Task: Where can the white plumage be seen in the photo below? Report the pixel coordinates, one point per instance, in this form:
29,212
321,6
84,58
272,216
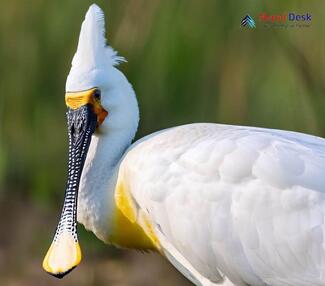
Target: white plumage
229,205
244,202
93,57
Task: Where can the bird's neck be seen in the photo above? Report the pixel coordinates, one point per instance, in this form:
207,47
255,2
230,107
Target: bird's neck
104,202
105,205
96,203
98,182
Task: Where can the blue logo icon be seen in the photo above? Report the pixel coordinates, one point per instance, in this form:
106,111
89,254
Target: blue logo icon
248,21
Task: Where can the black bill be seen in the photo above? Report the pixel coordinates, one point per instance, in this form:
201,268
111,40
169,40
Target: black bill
64,253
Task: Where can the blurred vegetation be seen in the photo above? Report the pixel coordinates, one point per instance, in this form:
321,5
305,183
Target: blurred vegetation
188,60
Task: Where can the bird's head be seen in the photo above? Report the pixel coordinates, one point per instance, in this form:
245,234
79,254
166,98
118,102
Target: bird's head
97,97
93,75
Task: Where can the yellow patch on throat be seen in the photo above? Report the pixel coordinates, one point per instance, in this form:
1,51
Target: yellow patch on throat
133,228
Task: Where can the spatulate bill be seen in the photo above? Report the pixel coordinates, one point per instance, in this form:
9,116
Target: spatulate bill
64,253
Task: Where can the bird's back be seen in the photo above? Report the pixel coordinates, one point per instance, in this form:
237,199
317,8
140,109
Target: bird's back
248,203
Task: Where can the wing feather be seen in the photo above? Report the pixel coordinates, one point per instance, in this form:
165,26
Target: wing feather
248,203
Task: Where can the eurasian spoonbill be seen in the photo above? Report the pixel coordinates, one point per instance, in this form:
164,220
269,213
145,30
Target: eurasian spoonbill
226,205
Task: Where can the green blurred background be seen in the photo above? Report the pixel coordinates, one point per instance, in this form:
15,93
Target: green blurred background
189,61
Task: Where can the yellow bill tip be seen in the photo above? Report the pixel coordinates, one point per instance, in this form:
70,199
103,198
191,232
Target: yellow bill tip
63,255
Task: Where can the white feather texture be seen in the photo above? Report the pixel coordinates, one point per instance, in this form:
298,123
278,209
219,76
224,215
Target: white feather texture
244,202
94,57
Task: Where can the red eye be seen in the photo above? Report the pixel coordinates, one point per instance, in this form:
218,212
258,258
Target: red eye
97,94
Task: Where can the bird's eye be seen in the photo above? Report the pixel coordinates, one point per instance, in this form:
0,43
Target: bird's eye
97,94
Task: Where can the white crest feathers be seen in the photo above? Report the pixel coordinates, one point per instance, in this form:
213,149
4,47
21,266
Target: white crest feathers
93,53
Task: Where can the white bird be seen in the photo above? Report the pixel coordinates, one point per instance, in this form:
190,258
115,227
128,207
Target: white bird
226,205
